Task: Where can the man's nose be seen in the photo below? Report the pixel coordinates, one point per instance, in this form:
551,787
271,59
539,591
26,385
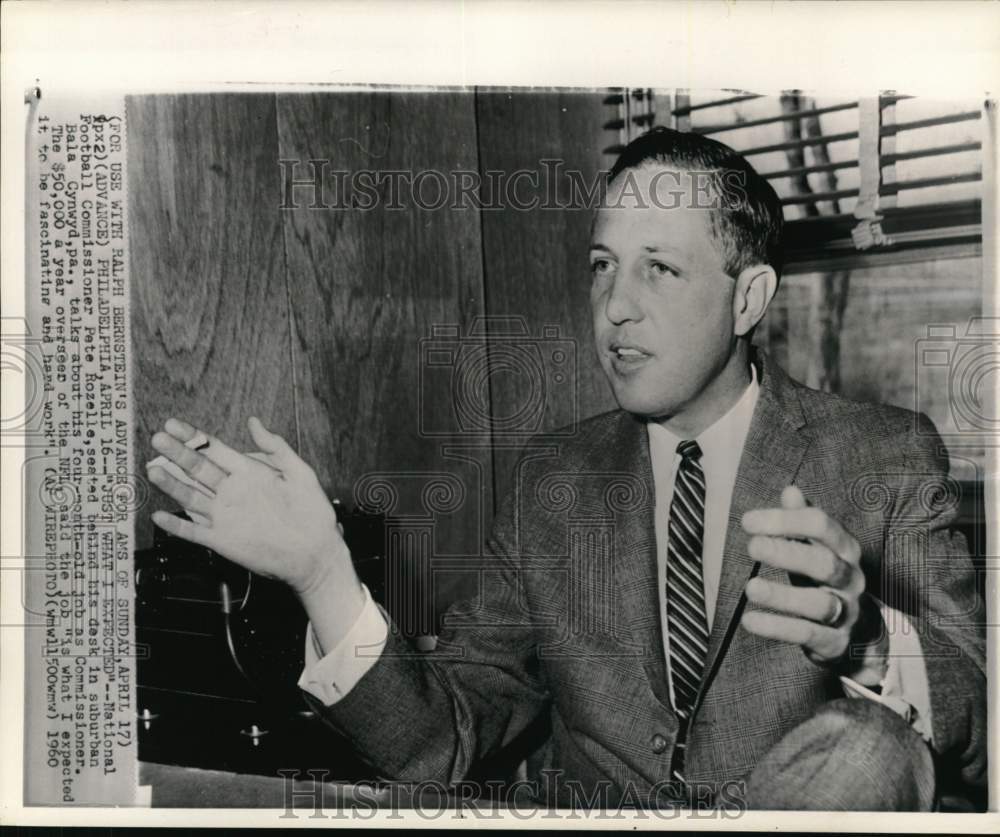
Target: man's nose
621,304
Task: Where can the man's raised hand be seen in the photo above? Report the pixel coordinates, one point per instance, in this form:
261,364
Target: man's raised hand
831,611
266,511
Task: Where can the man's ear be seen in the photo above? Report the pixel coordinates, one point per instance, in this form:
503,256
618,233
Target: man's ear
755,288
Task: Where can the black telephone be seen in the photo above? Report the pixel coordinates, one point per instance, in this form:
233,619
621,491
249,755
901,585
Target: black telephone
220,652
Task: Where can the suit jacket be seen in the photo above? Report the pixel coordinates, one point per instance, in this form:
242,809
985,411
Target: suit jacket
567,619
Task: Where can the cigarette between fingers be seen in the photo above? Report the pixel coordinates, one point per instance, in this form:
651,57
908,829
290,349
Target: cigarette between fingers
197,442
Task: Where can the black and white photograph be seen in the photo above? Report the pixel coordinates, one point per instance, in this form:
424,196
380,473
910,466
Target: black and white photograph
473,452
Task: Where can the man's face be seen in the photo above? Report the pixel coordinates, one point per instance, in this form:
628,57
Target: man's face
660,297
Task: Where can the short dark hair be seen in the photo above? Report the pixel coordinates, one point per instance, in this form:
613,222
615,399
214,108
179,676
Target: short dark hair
749,227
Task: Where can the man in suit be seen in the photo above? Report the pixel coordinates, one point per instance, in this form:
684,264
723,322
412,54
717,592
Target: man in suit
732,588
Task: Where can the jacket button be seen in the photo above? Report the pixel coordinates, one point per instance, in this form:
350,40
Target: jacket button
659,744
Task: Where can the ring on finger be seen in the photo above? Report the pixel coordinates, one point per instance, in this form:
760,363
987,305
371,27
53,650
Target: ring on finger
837,616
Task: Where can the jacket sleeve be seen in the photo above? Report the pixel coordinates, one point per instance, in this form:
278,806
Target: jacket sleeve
432,716
929,576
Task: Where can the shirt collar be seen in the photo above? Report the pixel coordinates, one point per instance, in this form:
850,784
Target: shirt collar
727,434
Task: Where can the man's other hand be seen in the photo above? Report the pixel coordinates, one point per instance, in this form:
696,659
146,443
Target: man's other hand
265,511
829,611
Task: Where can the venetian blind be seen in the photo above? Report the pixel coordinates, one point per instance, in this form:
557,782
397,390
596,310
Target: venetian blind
893,175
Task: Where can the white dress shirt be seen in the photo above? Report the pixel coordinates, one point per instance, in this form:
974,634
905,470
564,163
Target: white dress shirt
904,688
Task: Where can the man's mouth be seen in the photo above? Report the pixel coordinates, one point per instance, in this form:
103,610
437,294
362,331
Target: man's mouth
628,353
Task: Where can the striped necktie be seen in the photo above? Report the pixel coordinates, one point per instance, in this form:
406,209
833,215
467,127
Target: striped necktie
687,626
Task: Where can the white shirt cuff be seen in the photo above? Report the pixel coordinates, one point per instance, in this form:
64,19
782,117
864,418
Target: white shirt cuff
330,678
905,689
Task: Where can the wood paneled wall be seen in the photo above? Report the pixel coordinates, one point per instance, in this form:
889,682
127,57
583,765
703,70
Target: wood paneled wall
536,260
321,321
210,318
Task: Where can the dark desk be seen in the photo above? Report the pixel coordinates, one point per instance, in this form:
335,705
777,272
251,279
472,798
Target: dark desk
191,787
174,786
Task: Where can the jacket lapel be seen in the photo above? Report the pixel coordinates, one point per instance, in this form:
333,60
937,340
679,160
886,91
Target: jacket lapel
771,457
635,556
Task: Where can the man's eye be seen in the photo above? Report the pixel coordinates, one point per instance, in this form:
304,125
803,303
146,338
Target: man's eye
600,266
661,269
